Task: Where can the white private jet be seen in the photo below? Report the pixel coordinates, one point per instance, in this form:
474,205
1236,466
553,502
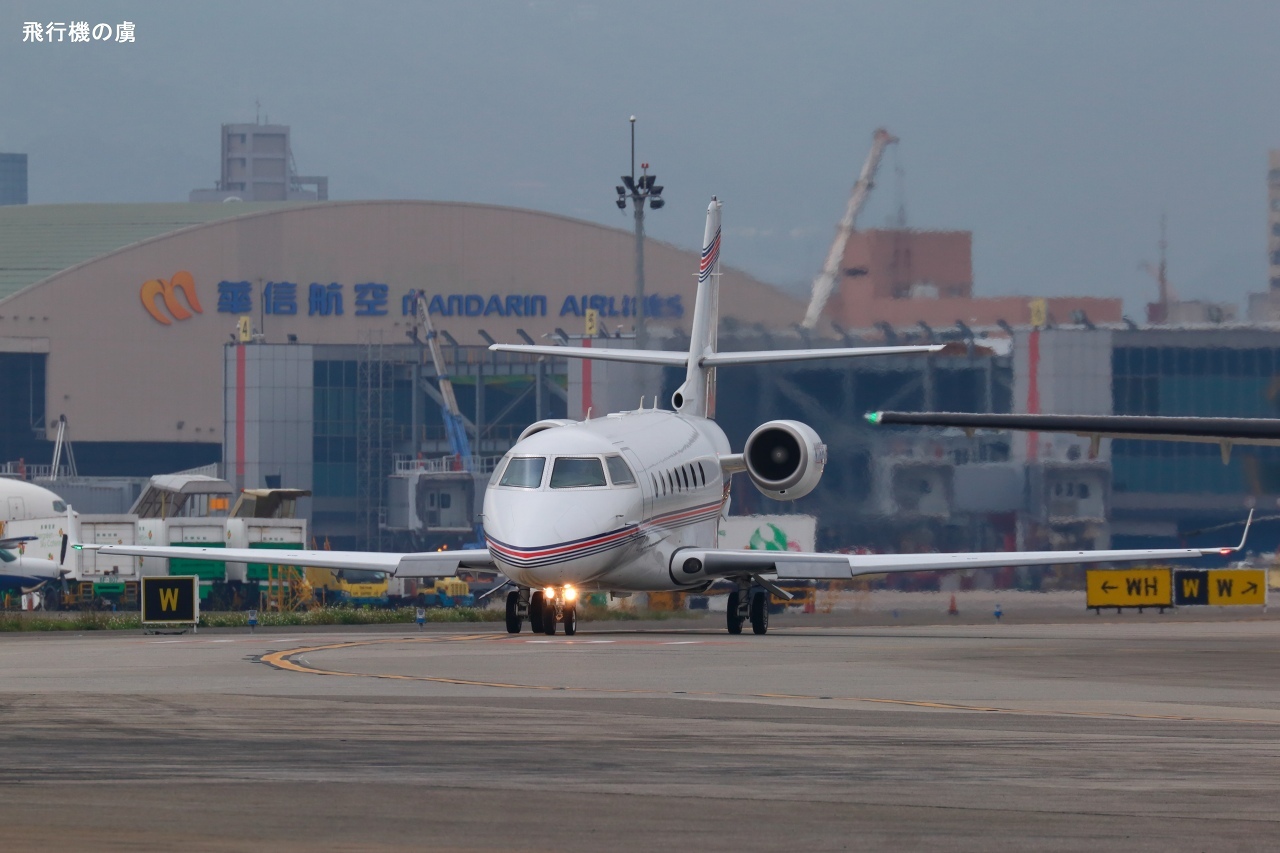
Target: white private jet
632,501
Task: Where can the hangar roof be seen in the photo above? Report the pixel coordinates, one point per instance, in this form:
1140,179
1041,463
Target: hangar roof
38,240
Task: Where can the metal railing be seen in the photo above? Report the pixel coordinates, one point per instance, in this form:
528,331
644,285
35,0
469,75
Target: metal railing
405,464
31,471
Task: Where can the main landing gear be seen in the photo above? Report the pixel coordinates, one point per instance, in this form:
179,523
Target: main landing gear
746,603
543,611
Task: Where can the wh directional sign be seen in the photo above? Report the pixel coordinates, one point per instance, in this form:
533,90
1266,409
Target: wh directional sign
1220,586
1148,587
170,599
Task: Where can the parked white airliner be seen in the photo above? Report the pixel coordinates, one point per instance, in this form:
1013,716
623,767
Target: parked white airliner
32,523
632,501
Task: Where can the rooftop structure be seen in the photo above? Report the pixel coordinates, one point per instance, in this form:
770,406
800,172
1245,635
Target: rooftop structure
257,165
904,277
13,179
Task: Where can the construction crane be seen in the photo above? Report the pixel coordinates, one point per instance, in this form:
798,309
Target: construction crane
826,279
454,426
1158,311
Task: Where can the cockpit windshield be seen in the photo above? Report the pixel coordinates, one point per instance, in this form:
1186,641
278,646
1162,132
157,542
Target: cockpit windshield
524,472
619,473
572,472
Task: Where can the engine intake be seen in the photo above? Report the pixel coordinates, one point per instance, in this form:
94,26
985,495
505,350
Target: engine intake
784,459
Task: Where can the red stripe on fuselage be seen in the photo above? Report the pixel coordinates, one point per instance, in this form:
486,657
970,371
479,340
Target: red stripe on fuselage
596,541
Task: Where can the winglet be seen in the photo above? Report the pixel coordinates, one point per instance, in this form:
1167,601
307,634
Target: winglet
1245,537
1228,551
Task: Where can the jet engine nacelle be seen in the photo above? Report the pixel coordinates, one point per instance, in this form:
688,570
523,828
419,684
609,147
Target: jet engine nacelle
784,459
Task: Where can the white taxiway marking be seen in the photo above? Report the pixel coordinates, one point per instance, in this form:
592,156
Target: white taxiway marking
572,642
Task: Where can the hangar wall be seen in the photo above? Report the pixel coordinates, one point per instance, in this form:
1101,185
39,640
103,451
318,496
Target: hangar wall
135,337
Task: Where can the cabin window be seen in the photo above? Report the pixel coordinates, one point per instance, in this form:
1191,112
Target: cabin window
574,473
523,472
619,473
684,475
702,475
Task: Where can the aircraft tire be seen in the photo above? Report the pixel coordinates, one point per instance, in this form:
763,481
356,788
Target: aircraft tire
570,621
733,620
536,609
549,619
760,612
514,622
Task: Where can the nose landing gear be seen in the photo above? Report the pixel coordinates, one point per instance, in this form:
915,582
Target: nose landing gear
542,611
560,611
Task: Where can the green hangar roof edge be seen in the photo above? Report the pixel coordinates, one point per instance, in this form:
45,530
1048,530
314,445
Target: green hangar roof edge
16,219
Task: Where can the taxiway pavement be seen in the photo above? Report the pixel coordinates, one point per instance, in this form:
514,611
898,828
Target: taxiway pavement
1125,733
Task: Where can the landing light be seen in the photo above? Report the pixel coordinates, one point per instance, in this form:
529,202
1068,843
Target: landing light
550,593
570,594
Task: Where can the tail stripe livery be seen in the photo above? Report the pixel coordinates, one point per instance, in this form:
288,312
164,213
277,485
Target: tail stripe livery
710,255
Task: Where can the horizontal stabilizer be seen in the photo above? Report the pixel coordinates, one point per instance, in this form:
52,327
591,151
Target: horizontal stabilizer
718,359
666,359
779,355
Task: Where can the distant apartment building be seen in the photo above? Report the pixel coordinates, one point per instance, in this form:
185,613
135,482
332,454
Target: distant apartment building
13,178
1265,307
257,165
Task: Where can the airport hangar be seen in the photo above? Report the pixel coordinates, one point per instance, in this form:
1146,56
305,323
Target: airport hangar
124,319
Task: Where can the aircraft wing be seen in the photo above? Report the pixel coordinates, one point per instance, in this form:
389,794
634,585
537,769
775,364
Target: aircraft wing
1265,431
14,541
796,565
425,564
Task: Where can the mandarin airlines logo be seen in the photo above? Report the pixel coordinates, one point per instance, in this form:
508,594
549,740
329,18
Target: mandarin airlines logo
182,282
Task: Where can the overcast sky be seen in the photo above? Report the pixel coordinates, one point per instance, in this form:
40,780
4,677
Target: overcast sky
1057,132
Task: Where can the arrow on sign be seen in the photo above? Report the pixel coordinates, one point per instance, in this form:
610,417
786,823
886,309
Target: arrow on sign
1252,587
1107,586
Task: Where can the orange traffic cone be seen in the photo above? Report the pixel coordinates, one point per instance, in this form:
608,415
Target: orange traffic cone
953,610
